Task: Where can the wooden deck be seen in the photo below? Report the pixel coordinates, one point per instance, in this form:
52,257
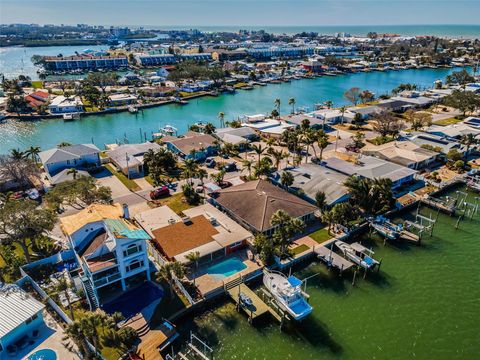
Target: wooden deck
332,259
258,308
149,347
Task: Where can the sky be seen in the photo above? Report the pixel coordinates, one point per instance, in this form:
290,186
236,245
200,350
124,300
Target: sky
241,12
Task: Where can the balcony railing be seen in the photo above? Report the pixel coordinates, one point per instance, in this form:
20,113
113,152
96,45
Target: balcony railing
106,279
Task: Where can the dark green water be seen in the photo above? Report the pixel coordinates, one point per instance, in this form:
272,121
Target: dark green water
110,128
424,304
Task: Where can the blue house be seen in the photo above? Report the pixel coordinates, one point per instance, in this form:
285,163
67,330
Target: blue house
21,317
81,156
193,145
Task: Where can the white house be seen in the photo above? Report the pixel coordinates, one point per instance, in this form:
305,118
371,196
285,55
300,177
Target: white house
81,156
62,105
110,249
20,314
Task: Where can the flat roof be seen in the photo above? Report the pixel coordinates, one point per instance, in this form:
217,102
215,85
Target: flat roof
92,213
157,218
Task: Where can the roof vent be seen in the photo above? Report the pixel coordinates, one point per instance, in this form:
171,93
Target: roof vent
186,220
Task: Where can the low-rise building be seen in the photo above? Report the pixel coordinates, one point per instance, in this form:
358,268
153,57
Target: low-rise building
62,105
371,167
193,145
236,136
204,229
253,203
311,178
122,99
84,62
110,249
21,316
81,156
128,158
405,153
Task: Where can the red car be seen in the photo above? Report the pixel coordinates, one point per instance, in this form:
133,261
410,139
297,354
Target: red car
159,193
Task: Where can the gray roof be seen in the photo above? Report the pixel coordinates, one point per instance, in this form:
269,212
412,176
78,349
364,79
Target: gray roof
243,131
297,119
64,175
67,153
365,110
435,141
312,178
133,151
370,167
16,306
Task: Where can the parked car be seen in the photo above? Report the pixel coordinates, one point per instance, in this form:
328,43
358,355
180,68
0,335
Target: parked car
225,184
230,167
210,162
33,194
159,193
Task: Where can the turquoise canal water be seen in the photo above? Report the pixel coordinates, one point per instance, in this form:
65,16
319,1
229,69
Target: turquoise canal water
107,129
423,304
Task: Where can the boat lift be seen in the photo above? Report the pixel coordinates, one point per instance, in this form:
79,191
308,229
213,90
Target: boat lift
195,348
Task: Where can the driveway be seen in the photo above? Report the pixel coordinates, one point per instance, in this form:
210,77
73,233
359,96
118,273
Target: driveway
105,178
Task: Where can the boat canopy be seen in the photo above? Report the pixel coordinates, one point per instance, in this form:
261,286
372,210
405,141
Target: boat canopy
294,281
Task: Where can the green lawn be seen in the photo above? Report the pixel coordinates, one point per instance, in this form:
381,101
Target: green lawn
449,121
299,249
320,235
130,184
175,202
37,84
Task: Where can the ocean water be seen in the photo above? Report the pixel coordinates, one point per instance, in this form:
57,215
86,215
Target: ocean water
110,128
423,304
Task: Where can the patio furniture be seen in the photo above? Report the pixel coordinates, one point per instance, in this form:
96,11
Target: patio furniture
249,255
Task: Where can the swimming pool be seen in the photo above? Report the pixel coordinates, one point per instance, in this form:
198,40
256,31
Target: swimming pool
227,267
44,354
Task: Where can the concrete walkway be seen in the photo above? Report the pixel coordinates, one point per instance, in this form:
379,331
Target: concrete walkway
144,184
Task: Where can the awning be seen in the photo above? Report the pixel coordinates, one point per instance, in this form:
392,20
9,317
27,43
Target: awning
295,282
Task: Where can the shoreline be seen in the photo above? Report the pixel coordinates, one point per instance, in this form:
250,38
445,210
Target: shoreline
124,108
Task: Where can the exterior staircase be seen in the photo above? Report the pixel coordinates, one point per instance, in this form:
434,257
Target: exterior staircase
87,286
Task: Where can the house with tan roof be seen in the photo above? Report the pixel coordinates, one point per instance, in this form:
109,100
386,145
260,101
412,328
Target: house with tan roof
253,203
192,145
405,153
110,249
203,228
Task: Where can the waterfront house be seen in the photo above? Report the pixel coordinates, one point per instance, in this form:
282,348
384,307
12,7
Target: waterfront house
366,112
62,105
311,178
236,136
203,228
297,120
21,317
193,145
371,167
110,249
405,153
253,203
37,98
328,116
399,106
128,158
122,99
81,156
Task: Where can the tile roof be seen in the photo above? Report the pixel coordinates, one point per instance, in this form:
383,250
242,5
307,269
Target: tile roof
255,202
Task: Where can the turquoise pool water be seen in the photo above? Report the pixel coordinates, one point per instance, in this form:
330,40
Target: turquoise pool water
227,267
44,354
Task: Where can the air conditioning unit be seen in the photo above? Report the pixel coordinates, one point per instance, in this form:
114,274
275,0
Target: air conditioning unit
186,220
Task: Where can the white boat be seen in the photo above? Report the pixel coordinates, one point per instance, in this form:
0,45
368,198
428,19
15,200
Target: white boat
358,254
168,130
287,291
132,109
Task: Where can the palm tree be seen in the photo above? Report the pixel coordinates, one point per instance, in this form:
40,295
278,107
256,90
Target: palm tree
468,140
329,104
74,332
221,117
259,150
286,179
168,271
327,217
247,164
16,154
322,142
278,156
74,172
277,103
63,287
33,152
292,102
320,200
209,128
193,257
189,170
286,228
202,174
343,109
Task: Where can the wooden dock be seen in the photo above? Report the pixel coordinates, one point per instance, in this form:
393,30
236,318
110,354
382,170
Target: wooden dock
258,308
332,259
446,207
409,236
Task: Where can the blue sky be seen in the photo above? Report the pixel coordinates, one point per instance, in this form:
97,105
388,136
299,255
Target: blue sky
241,12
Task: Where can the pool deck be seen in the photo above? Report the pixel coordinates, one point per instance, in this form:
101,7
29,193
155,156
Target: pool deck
51,335
208,284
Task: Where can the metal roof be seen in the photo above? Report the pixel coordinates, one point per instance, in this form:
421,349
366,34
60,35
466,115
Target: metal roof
16,306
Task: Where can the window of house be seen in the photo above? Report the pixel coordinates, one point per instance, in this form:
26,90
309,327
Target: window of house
132,249
135,264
